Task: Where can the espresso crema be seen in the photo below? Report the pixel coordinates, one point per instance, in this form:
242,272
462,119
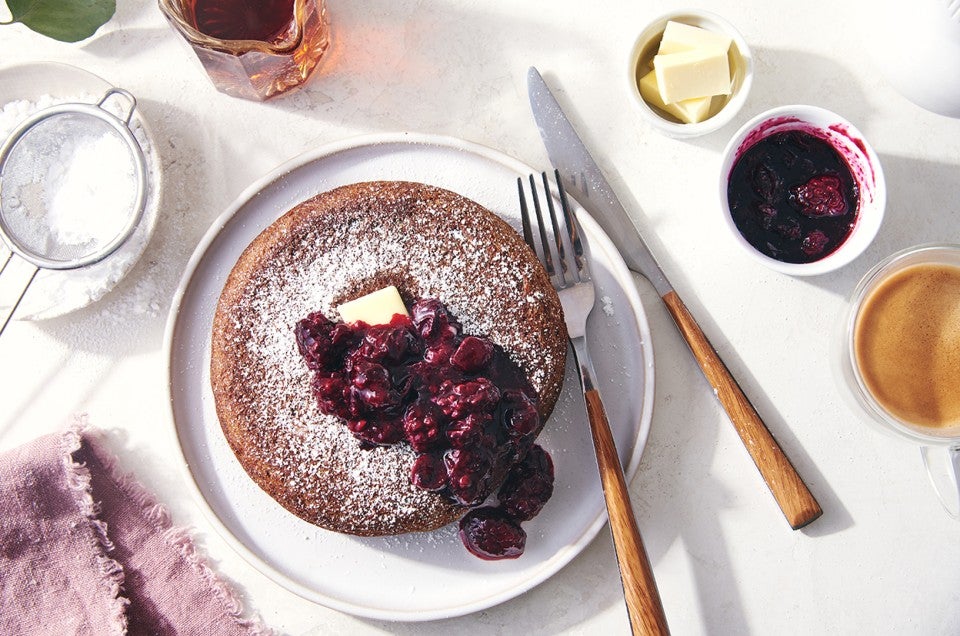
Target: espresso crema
907,346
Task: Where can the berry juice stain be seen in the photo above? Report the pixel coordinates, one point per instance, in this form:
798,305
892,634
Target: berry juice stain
793,197
264,20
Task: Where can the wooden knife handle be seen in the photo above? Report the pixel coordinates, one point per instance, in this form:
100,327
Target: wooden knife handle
639,586
795,499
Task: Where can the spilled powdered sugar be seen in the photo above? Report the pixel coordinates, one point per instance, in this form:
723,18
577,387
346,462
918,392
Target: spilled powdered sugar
438,245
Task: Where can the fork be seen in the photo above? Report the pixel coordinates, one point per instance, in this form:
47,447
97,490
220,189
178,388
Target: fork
577,296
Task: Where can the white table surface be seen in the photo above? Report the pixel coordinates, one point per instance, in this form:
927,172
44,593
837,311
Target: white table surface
883,559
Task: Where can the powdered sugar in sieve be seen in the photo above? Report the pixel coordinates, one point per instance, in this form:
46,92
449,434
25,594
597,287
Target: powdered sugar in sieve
72,186
26,90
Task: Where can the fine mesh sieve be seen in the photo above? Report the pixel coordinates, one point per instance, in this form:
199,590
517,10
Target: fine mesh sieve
72,187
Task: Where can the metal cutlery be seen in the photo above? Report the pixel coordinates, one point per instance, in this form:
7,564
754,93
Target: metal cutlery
568,154
571,278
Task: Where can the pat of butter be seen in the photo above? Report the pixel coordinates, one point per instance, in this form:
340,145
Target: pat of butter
376,308
694,73
678,36
689,111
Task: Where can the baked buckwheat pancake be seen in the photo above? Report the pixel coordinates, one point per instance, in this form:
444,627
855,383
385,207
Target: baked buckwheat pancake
337,246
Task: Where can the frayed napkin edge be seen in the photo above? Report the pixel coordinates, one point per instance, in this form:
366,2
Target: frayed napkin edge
179,538
78,482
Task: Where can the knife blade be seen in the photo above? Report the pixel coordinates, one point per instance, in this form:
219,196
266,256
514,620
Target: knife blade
580,171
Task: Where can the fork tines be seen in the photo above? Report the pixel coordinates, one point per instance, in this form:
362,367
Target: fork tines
566,231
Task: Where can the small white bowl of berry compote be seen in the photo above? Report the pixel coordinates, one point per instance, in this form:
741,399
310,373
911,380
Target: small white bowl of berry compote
801,190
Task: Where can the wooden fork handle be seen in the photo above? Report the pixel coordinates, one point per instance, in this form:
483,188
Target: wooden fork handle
639,587
795,499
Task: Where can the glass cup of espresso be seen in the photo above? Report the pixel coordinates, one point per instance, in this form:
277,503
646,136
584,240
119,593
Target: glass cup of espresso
254,50
901,356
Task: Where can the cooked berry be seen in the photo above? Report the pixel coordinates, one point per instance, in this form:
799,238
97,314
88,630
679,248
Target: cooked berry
528,485
440,352
329,389
458,400
491,534
429,473
372,386
814,242
342,336
427,378
473,354
518,447
471,432
468,472
313,341
423,425
789,228
387,343
767,215
520,415
380,432
765,183
821,196
432,320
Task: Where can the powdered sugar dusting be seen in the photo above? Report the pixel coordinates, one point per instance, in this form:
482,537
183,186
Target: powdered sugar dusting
430,243
607,305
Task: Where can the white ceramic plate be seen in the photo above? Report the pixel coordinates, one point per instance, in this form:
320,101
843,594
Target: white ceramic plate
416,576
55,293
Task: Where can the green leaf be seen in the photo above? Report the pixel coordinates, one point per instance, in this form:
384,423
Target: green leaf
64,20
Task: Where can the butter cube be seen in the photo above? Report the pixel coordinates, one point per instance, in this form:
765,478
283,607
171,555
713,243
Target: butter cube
689,111
694,73
376,308
678,36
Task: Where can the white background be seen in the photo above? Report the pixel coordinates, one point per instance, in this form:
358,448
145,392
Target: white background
884,558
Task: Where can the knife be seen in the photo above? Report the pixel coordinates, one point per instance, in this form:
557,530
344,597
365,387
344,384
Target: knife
568,155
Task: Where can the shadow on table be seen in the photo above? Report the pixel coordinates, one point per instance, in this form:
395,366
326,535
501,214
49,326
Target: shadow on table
116,36
782,77
685,494
381,55
676,488
923,206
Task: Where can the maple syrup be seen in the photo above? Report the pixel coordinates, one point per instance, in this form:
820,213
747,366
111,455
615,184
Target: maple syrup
254,49
264,20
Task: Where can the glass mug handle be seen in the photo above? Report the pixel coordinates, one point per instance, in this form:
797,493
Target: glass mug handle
943,468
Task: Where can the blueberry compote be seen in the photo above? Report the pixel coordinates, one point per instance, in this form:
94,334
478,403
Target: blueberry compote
793,197
466,409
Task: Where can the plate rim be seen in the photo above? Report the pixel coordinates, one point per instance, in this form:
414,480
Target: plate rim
563,556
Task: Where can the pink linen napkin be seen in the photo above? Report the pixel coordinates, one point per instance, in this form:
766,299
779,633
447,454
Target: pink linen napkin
84,550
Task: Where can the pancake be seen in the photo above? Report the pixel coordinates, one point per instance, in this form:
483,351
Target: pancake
337,246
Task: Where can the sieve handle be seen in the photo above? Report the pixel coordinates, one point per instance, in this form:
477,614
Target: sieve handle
9,313
132,106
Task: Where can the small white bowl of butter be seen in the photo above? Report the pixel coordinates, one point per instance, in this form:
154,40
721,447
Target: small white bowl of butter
689,73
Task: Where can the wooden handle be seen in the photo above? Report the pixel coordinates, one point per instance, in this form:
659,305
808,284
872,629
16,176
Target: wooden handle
795,499
639,586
